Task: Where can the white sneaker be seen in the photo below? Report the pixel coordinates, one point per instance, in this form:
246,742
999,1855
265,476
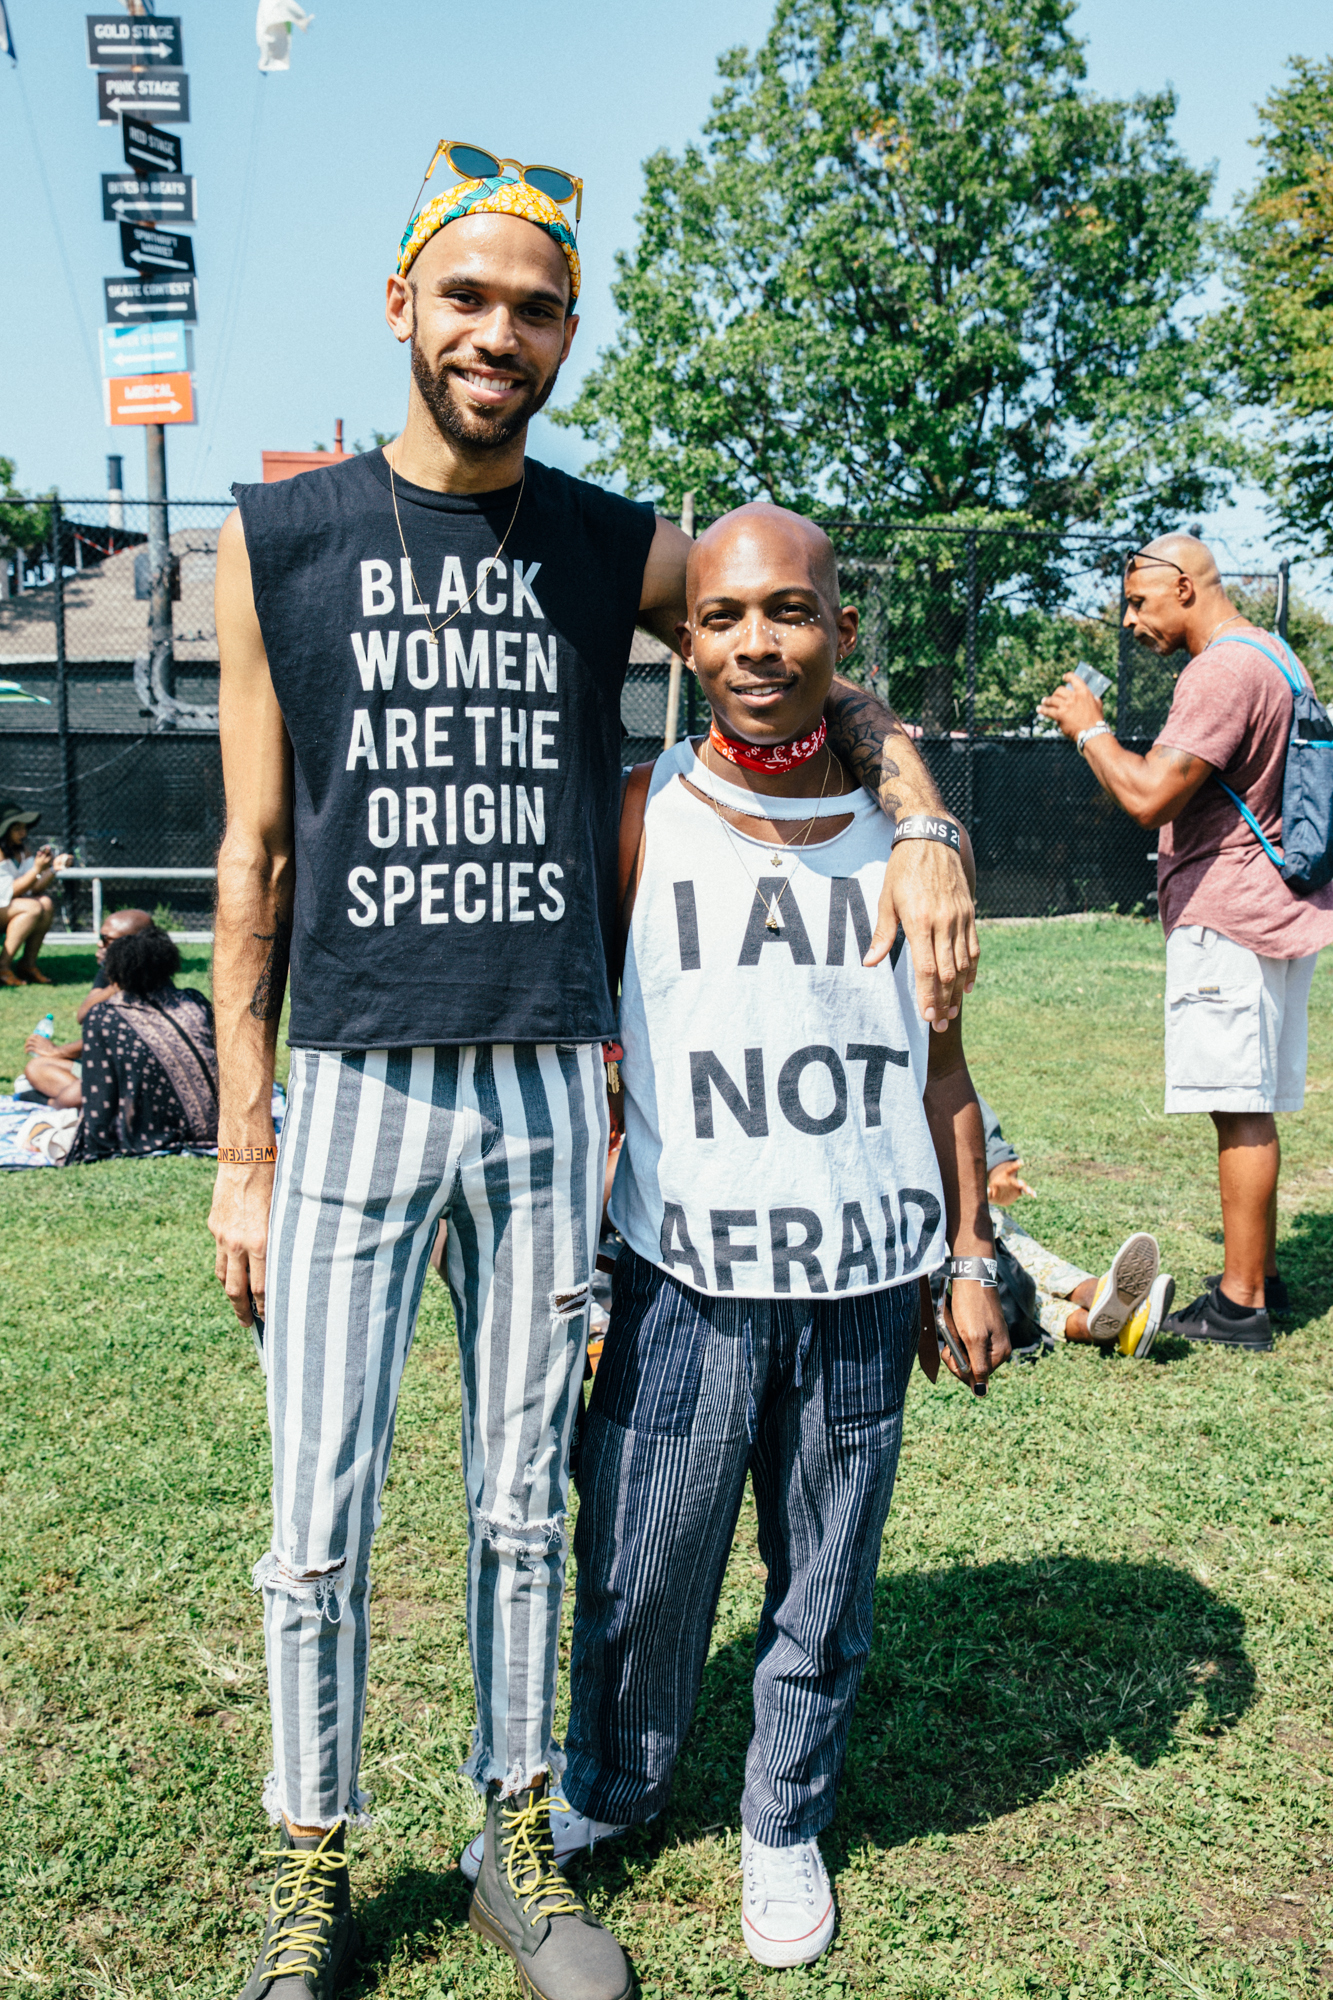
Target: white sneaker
1125,1286
787,1913
571,1834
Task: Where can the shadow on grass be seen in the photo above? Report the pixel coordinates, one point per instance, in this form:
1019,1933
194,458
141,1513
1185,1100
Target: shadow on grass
1306,1259
985,1687
423,1907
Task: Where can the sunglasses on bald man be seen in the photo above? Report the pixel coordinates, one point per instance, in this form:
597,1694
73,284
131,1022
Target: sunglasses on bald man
1142,556
474,163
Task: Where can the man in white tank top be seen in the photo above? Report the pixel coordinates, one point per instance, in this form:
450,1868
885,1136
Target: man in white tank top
781,1191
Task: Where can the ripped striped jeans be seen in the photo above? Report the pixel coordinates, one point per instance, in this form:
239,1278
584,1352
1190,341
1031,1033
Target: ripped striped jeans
508,1144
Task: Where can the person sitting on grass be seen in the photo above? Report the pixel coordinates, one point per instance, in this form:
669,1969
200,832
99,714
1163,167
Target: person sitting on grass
27,911
779,1197
149,1073
120,923
1045,1298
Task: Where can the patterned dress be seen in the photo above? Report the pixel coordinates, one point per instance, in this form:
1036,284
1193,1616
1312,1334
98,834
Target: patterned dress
150,1076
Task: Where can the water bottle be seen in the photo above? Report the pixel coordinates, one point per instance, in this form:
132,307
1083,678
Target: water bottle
46,1026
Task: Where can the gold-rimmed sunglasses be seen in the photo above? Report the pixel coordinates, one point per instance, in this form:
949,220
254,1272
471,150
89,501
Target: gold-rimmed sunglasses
474,163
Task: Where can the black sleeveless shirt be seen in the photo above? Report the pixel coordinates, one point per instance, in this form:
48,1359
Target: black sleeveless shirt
456,801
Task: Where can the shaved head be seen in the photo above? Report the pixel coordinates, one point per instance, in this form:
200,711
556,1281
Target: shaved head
766,626
125,923
1174,597
768,537
1183,552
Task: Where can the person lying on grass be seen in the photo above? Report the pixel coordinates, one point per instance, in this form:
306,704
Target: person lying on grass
1045,1298
779,1198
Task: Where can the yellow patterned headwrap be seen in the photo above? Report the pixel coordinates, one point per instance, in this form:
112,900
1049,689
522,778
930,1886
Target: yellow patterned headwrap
502,196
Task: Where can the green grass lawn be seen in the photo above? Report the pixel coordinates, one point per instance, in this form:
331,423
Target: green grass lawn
1094,1748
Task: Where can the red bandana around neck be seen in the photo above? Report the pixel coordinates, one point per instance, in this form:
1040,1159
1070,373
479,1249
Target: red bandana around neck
770,756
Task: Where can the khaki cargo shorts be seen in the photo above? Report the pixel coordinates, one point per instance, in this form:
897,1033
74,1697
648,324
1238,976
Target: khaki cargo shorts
1236,1027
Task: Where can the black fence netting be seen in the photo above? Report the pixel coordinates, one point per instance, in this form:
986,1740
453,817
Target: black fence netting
109,674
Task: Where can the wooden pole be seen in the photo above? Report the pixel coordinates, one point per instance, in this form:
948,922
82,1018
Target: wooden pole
677,667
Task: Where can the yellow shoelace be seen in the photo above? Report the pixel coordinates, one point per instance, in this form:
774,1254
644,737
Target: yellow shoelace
531,1856
301,1900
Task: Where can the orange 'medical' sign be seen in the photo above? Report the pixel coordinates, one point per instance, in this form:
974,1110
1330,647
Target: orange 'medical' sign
150,399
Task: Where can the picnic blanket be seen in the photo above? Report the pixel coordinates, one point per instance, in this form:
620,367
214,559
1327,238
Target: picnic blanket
13,1111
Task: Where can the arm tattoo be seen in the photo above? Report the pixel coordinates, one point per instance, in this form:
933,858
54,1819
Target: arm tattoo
266,1000
1184,760
860,736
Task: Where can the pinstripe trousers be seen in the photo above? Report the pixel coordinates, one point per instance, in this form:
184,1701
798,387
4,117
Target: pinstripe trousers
507,1143
691,1393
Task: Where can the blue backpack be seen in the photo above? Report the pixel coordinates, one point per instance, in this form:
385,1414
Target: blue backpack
1307,783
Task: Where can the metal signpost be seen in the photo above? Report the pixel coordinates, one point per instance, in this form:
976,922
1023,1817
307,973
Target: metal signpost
150,41
147,355
163,347
165,198
154,249
149,149
132,299
150,399
162,94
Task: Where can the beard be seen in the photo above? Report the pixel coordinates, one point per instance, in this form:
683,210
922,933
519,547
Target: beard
469,427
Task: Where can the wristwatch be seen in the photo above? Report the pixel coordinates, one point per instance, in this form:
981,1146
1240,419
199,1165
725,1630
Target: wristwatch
1086,735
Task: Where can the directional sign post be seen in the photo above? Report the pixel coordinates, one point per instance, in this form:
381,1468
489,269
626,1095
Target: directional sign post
149,149
115,43
150,399
160,94
164,347
165,198
153,250
130,301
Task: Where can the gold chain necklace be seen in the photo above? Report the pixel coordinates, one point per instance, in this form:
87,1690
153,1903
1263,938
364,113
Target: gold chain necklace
775,902
435,630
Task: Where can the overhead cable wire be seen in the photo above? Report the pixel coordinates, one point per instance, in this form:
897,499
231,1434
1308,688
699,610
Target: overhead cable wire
232,298
93,370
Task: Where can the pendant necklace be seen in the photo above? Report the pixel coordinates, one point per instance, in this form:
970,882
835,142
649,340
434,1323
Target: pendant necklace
1218,627
771,922
435,630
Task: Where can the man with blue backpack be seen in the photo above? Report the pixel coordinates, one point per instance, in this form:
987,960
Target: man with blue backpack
1240,782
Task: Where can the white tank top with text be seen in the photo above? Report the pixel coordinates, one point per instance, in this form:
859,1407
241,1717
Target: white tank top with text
775,1138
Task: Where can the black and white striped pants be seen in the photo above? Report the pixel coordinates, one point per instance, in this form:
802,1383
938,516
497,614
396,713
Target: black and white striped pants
508,1143
691,1392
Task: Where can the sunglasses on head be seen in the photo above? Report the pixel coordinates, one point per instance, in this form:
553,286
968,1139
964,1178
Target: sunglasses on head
474,163
1162,562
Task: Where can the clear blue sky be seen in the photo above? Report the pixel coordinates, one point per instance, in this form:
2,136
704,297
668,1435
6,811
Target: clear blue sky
305,181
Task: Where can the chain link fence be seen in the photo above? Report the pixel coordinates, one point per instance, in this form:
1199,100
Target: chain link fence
111,731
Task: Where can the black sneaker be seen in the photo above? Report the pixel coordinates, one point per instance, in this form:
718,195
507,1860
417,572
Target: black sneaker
1204,1320
523,1903
310,1941
1277,1299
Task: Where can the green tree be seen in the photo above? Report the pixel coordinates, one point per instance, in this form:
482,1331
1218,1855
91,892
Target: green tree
916,271
1278,329
23,525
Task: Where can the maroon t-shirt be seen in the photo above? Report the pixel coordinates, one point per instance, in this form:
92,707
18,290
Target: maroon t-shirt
1232,708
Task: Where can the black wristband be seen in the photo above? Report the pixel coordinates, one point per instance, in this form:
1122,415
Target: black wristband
981,1269
926,826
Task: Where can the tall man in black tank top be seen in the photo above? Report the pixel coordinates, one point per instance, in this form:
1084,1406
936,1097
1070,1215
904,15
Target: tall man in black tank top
422,652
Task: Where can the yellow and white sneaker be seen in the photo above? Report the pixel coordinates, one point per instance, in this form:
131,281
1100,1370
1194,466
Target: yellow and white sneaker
1144,1323
1126,1285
